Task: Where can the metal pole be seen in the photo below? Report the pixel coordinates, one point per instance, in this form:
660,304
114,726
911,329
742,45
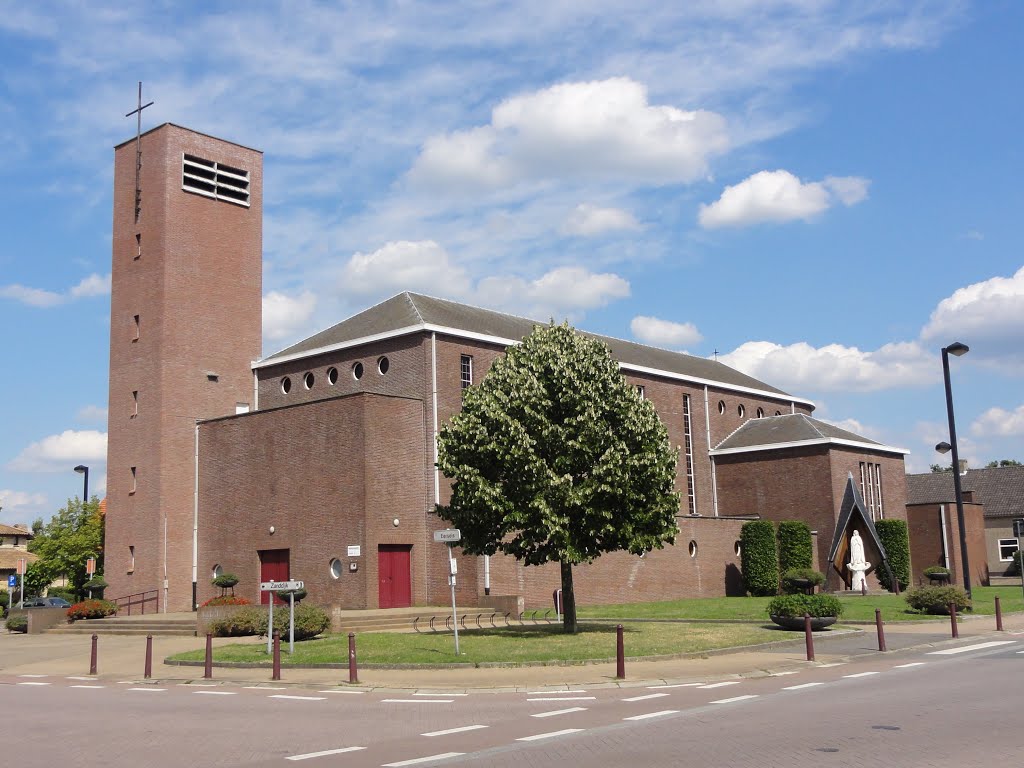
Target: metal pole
277,657
455,616
92,656
353,676
148,673
620,654
952,619
999,616
881,632
208,667
957,490
808,637
270,623
291,622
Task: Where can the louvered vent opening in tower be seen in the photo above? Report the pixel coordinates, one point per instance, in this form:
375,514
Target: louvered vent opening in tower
216,180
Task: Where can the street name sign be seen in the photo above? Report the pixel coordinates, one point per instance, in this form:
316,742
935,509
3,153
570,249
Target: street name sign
281,586
448,535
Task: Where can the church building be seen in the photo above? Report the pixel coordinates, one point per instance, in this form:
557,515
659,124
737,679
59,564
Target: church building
318,462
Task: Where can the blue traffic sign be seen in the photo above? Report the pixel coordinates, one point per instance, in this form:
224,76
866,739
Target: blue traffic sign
12,580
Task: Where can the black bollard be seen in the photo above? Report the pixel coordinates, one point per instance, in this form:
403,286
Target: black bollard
881,632
353,676
809,636
620,654
208,669
148,672
92,656
277,657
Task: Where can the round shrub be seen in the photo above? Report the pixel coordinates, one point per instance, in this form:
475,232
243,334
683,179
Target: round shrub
798,605
935,570
226,600
17,623
300,594
758,558
796,549
247,620
896,540
807,577
310,621
936,600
91,609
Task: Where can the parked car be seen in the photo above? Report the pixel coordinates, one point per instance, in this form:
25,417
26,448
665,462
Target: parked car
47,602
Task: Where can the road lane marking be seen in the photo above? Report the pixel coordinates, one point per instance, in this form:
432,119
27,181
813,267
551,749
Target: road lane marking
215,693
324,753
91,687
197,685
648,696
783,674
674,685
833,664
735,698
553,691
966,648
662,713
719,685
266,687
911,664
414,761
34,682
417,701
79,678
297,698
565,698
862,674
148,690
555,712
455,730
338,690
440,693
798,687
33,675
549,735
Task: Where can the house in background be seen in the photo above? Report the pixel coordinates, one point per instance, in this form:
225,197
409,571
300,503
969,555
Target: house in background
14,541
994,510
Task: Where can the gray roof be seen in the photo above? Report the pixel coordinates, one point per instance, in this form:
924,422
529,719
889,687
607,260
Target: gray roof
413,312
773,432
1000,489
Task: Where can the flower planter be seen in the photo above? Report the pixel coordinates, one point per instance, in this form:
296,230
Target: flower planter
797,622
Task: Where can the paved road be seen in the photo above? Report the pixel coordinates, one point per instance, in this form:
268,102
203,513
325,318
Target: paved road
954,705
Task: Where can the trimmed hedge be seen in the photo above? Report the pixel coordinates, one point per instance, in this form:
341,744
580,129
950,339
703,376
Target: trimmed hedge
310,621
758,558
247,620
798,605
936,600
91,609
895,538
796,549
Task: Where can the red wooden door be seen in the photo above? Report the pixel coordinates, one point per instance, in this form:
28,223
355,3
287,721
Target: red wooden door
393,571
273,567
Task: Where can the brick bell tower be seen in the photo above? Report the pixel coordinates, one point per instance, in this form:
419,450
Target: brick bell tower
185,326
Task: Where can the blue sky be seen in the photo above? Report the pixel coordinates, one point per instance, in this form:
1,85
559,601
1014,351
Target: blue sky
822,193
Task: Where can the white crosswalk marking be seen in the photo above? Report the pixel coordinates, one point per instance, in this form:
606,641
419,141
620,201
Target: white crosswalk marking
324,753
550,735
429,758
735,698
967,648
648,696
555,712
461,729
719,685
649,715
799,687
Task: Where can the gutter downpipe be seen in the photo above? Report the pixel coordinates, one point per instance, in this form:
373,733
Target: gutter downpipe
195,526
437,472
945,541
707,432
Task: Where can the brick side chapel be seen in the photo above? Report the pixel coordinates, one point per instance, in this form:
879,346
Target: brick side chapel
317,462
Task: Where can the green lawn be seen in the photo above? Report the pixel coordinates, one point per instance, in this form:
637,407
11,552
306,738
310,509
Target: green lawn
509,644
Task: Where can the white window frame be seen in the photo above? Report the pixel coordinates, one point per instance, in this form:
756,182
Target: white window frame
1015,543
229,184
466,371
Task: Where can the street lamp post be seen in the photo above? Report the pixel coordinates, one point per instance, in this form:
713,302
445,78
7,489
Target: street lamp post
84,470
957,349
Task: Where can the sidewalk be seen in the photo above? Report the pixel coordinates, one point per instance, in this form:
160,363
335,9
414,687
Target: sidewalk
123,658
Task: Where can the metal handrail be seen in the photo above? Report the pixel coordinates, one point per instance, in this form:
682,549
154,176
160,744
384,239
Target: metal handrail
139,598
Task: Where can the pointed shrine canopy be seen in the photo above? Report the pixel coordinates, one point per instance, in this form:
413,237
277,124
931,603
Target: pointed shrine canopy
853,517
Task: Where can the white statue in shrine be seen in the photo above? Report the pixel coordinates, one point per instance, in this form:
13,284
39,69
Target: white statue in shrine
858,565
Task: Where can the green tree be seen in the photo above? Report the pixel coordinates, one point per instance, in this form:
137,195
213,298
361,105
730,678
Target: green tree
1003,463
71,537
936,468
556,458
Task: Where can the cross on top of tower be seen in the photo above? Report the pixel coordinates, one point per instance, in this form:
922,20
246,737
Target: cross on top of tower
138,150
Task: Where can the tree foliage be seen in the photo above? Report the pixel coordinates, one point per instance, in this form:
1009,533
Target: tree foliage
1003,463
64,544
555,457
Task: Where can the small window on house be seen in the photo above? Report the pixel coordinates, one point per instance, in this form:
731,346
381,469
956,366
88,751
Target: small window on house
641,391
741,410
135,403
308,380
336,568
760,413
286,385
131,558
135,321
332,376
721,406
134,478
138,246
466,370
241,408
1006,549
383,364
357,371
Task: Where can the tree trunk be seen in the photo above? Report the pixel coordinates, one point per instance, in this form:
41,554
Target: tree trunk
568,600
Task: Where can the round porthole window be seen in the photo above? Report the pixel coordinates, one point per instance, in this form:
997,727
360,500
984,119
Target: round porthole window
741,410
693,547
382,365
336,568
217,571
721,406
308,380
286,385
332,376
760,413
357,371
737,548
778,413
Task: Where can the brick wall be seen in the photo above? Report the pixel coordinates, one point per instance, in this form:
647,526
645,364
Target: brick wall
925,524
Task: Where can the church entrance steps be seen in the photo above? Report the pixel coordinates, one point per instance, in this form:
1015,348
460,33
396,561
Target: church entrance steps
157,624
402,619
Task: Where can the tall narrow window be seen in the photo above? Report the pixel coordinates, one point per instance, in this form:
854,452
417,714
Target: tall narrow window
641,391
138,246
134,478
878,491
864,482
131,558
691,497
135,403
135,321
466,364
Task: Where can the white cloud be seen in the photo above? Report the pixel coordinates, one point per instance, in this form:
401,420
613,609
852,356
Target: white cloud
588,220
562,290
987,316
801,367
92,413
283,315
777,196
602,130
998,422
405,265
93,285
59,453
18,506
664,333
